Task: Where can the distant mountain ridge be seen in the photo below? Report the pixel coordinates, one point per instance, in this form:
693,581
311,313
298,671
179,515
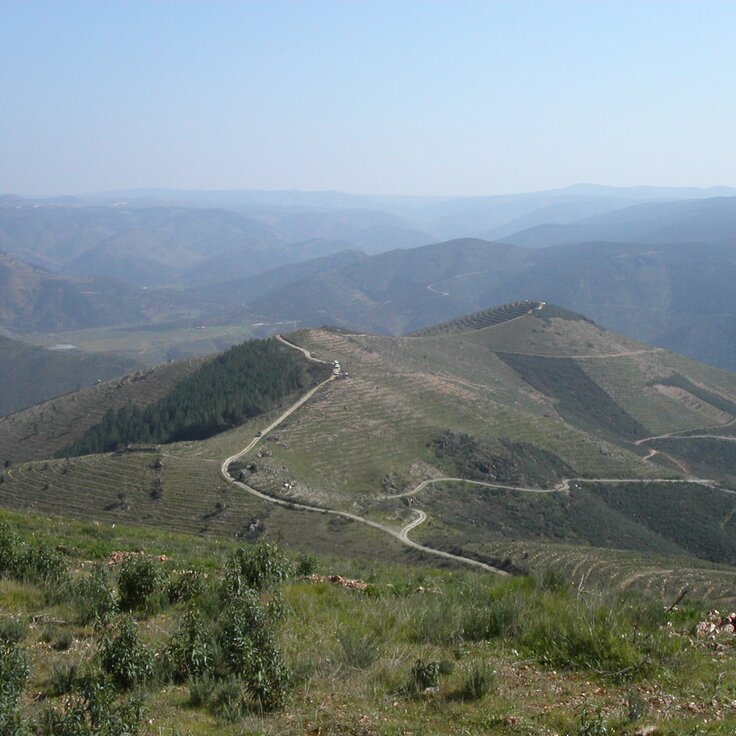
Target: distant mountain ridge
160,245
34,299
676,296
710,220
655,263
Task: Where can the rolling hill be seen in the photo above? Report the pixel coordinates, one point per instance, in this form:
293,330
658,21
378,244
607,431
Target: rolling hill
519,426
145,245
42,430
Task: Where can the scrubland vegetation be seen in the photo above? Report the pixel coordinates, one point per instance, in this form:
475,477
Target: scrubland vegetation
193,636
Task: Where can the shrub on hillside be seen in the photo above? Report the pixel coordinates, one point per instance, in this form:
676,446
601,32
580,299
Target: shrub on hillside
306,564
38,563
124,657
258,568
247,642
14,672
192,650
95,595
12,551
141,584
187,585
93,709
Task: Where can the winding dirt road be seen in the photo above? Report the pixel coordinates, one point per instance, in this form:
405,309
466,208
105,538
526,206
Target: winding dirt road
302,350
679,435
420,516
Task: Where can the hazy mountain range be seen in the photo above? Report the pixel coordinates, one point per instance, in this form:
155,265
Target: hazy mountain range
654,263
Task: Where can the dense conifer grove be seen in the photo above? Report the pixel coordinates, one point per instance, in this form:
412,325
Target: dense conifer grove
244,381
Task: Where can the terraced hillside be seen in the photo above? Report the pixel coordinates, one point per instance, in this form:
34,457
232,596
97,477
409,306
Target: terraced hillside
370,447
185,493
482,319
372,433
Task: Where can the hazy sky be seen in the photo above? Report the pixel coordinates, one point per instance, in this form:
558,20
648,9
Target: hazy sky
394,97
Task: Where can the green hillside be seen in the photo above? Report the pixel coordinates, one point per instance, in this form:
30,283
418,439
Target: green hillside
570,434
120,630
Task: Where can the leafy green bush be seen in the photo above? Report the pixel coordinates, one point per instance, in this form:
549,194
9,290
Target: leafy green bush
38,563
306,564
14,669
93,710
191,653
14,672
247,641
141,584
12,551
258,568
124,657
94,595
47,566
186,585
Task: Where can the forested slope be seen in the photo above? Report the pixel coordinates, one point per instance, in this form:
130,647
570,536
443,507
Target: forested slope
244,381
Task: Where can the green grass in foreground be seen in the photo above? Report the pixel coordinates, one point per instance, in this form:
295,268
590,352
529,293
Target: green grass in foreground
219,639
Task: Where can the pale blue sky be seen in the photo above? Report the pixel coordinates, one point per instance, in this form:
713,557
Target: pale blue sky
412,97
